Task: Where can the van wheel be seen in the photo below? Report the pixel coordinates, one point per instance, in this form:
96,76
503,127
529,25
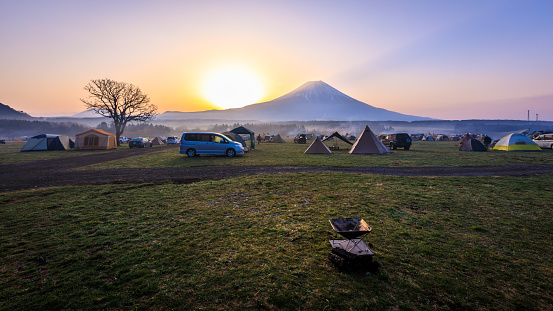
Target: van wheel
231,153
191,153
407,147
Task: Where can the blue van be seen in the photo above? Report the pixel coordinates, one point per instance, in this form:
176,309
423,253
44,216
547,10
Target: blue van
193,144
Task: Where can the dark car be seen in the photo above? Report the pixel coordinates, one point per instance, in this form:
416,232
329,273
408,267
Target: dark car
300,139
399,140
140,142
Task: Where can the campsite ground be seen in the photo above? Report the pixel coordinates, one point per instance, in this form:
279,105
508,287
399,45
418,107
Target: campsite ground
260,241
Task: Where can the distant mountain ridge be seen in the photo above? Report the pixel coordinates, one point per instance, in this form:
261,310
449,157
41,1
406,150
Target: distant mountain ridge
314,100
7,112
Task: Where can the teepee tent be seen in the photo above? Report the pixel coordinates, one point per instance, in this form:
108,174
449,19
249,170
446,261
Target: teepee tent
47,142
277,139
368,143
317,147
95,139
516,142
472,145
157,141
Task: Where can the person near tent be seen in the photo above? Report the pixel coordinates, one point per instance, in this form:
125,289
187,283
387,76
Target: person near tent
487,141
259,138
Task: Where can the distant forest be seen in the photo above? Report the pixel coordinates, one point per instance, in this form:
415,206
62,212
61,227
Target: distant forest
13,129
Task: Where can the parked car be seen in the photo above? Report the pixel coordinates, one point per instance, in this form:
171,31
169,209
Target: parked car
193,144
140,142
544,140
173,140
300,139
401,140
123,139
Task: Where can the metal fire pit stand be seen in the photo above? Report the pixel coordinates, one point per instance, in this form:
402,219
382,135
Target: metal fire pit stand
353,251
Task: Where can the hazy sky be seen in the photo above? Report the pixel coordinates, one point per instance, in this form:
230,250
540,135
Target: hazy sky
441,59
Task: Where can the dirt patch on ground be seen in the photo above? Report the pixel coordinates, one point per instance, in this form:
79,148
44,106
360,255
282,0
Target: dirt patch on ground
55,172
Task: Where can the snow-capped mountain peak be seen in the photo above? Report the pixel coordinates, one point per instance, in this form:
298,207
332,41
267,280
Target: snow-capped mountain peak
315,91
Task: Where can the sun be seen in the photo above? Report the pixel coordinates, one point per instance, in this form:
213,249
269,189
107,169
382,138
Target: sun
232,87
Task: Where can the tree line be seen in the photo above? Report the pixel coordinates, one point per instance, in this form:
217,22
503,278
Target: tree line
13,129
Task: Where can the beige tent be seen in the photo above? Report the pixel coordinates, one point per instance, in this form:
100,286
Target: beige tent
277,139
95,139
317,146
368,143
157,141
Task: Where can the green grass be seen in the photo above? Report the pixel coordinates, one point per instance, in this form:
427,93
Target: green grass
421,154
10,153
261,242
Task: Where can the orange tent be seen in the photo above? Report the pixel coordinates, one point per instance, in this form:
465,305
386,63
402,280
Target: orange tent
95,139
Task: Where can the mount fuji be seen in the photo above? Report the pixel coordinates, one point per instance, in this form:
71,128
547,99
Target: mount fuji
313,101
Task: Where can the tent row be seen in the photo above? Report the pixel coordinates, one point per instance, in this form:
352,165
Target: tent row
367,143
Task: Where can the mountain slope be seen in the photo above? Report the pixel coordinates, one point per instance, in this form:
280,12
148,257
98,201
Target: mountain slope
7,112
314,100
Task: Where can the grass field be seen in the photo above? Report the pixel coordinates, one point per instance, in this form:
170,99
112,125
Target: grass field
10,153
261,242
421,154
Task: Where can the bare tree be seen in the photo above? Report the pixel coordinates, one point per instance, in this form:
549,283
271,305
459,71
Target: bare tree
120,101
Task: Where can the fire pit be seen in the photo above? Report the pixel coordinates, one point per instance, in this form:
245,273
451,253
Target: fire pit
352,251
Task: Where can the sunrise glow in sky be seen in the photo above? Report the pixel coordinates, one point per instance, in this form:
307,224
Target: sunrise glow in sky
440,59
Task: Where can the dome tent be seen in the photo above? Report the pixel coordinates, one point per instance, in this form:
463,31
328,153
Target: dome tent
48,142
472,145
516,142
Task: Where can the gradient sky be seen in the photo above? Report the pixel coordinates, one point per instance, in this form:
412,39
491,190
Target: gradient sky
443,59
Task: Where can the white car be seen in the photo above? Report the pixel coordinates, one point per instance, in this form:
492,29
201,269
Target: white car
123,139
173,140
544,140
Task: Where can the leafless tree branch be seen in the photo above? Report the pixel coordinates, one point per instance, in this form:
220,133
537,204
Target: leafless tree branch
119,101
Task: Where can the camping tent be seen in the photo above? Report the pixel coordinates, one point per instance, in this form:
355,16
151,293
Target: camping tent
465,137
95,139
472,145
48,142
337,135
244,131
428,138
157,141
237,138
516,142
277,139
317,147
368,143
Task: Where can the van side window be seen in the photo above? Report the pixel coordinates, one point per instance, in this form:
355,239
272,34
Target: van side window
216,138
203,137
191,137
